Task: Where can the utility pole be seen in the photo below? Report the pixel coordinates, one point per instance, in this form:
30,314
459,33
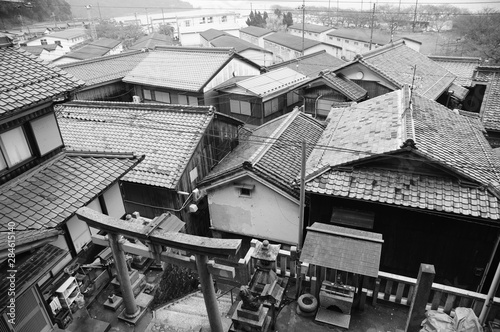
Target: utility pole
163,16
337,12
303,23
329,16
373,22
55,22
147,20
93,32
99,8
415,16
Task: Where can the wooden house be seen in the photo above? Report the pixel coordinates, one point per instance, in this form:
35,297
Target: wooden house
42,184
181,144
418,173
259,99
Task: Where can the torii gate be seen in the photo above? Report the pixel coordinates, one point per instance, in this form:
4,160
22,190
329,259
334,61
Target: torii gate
156,238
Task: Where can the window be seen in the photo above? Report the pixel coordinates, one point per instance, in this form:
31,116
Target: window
223,19
188,100
14,148
57,42
193,100
315,35
162,97
292,98
338,39
146,94
346,41
202,20
331,38
210,20
355,43
46,133
366,45
271,107
244,190
187,23
240,107
43,41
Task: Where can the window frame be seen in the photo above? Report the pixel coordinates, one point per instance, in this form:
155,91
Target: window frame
3,150
233,101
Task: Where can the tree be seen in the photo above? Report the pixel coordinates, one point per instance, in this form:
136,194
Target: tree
166,29
288,19
257,19
127,34
481,33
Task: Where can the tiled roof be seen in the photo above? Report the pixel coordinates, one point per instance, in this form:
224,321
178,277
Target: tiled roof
256,31
397,61
381,126
310,27
38,49
39,264
341,83
106,42
291,41
310,65
87,52
274,149
490,108
462,67
151,41
238,44
211,34
104,69
362,35
48,195
28,236
166,134
268,84
27,81
69,33
180,68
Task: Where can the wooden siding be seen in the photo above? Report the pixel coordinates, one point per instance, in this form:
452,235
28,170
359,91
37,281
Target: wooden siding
117,91
459,248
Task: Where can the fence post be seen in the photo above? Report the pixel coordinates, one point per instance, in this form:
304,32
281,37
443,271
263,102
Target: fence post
421,294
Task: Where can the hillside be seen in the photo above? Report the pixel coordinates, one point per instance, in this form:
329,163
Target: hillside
112,8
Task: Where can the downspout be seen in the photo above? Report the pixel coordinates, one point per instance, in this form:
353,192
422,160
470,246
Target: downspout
316,106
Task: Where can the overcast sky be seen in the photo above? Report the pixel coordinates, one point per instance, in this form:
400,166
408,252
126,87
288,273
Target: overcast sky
355,4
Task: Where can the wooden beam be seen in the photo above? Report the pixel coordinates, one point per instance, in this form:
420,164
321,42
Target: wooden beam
220,270
148,233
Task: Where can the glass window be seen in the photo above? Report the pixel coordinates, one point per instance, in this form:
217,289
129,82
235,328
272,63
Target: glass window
210,20
346,41
202,20
355,43
240,107
43,41
338,39
366,45
183,100
14,146
163,97
193,100
147,94
271,106
187,23
291,98
224,19
46,133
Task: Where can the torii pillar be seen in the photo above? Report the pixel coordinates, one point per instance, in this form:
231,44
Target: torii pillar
151,233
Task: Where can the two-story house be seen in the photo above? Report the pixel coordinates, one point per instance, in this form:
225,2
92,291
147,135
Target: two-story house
286,46
187,75
255,35
68,39
252,52
310,31
42,184
97,48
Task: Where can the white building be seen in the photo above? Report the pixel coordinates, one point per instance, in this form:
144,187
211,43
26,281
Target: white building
311,31
67,39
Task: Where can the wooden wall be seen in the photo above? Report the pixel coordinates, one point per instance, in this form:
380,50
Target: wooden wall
117,91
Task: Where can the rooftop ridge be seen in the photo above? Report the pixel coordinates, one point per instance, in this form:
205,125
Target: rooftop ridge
131,105
227,50
261,151
97,59
284,63
407,121
382,49
454,58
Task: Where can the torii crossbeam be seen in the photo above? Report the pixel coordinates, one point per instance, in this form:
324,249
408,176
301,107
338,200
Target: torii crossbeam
156,238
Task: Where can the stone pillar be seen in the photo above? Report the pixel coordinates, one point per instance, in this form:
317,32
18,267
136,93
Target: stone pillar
131,308
420,299
207,287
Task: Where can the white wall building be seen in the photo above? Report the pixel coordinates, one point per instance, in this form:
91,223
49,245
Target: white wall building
67,39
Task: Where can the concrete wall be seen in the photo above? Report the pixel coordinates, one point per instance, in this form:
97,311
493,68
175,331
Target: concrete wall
266,214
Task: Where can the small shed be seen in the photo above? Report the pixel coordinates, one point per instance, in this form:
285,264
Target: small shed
340,249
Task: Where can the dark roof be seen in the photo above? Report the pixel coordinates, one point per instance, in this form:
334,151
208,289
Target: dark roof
396,62
462,67
211,34
342,84
181,68
490,108
106,43
27,81
38,49
362,35
310,27
151,41
291,41
106,68
443,139
273,150
69,33
238,44
312,64
166,134
39,264
50,194
256,31
87,52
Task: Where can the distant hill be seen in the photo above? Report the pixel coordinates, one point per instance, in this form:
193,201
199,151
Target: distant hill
112,8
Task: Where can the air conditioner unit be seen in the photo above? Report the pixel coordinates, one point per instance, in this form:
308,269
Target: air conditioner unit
136,99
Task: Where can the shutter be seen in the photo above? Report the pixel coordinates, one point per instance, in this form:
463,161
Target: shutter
29,315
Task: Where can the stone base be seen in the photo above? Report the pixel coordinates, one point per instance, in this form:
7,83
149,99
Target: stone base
303,313
133,320
118,300
136,279
333,318
139,263
244,320
143,300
